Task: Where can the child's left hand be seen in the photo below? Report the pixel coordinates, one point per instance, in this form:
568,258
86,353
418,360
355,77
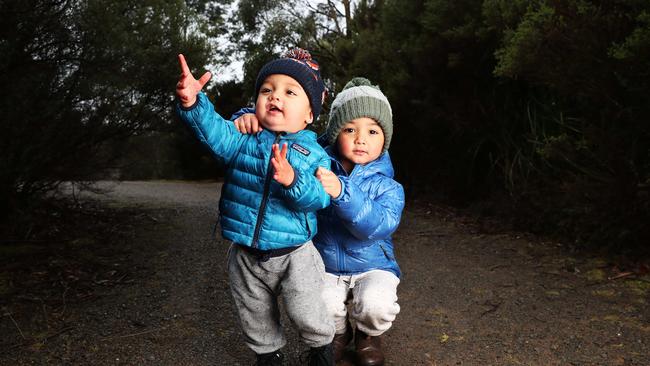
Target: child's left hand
330,182
284,173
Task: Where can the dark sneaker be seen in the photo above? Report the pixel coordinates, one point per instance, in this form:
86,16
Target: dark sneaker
321,356
270,359
368,348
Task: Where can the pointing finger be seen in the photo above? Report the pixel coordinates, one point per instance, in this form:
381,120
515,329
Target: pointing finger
274,152
278,153
184,68
283,153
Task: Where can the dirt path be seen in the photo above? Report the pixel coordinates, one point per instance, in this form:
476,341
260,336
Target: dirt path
157,294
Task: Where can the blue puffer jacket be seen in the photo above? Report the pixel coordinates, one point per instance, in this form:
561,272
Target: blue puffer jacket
355,230
256,210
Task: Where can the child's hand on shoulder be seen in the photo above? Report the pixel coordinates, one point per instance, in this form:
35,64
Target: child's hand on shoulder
284,173
188,87
247,123
331,183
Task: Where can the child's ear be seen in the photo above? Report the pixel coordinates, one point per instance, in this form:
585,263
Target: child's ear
310,118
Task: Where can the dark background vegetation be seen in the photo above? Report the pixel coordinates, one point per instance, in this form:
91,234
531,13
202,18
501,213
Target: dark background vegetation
537,112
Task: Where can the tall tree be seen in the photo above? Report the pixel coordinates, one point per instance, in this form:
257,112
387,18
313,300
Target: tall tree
266,28
80,74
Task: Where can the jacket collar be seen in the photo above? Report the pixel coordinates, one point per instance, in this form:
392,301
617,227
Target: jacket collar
300,135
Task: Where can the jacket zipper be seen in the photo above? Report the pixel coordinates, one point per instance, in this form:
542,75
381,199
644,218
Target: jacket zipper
307,223
390,258
265,198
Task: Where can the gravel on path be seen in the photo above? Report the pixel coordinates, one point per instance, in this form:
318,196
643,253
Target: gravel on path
156,293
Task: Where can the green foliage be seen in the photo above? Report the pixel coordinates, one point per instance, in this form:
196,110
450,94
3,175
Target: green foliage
545,102
81,77
637,43
525,42
592,60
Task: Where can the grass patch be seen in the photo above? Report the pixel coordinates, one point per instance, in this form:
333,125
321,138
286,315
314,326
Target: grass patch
605,293
596,275
552,293
639,287
612,318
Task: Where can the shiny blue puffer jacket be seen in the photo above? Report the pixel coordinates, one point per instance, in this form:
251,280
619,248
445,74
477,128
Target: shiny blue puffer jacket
256,210
354,233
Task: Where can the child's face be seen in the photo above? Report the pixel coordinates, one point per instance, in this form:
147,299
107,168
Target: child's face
282,104
360,142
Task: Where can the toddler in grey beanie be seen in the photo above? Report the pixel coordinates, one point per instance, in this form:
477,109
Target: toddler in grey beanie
359,98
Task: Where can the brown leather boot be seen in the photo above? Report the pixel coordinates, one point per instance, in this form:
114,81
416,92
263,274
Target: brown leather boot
340,342
369,351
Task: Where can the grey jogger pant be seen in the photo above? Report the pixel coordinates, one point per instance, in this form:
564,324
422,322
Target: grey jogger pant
256,285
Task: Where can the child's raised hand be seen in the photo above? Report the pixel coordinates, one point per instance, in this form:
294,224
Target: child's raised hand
247,123
330,182
188,87
284,173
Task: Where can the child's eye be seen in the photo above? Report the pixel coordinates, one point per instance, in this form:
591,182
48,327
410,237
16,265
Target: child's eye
348,129
374,132
264,90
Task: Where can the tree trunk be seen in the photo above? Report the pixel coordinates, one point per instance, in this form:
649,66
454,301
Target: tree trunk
348,17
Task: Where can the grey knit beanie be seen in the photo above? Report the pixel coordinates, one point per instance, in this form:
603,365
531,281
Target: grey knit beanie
359,98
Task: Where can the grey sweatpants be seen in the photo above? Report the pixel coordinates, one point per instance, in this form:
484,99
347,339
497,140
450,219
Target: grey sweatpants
255,286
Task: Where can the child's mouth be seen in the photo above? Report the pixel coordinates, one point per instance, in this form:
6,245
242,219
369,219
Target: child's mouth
274,109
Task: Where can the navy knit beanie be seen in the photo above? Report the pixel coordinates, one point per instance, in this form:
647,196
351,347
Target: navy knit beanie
298,64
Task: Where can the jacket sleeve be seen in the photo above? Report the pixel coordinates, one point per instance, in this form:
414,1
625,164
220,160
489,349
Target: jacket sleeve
219,135
366,218
306,193
241,112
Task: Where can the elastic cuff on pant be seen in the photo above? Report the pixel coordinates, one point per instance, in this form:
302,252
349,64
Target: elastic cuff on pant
372,333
